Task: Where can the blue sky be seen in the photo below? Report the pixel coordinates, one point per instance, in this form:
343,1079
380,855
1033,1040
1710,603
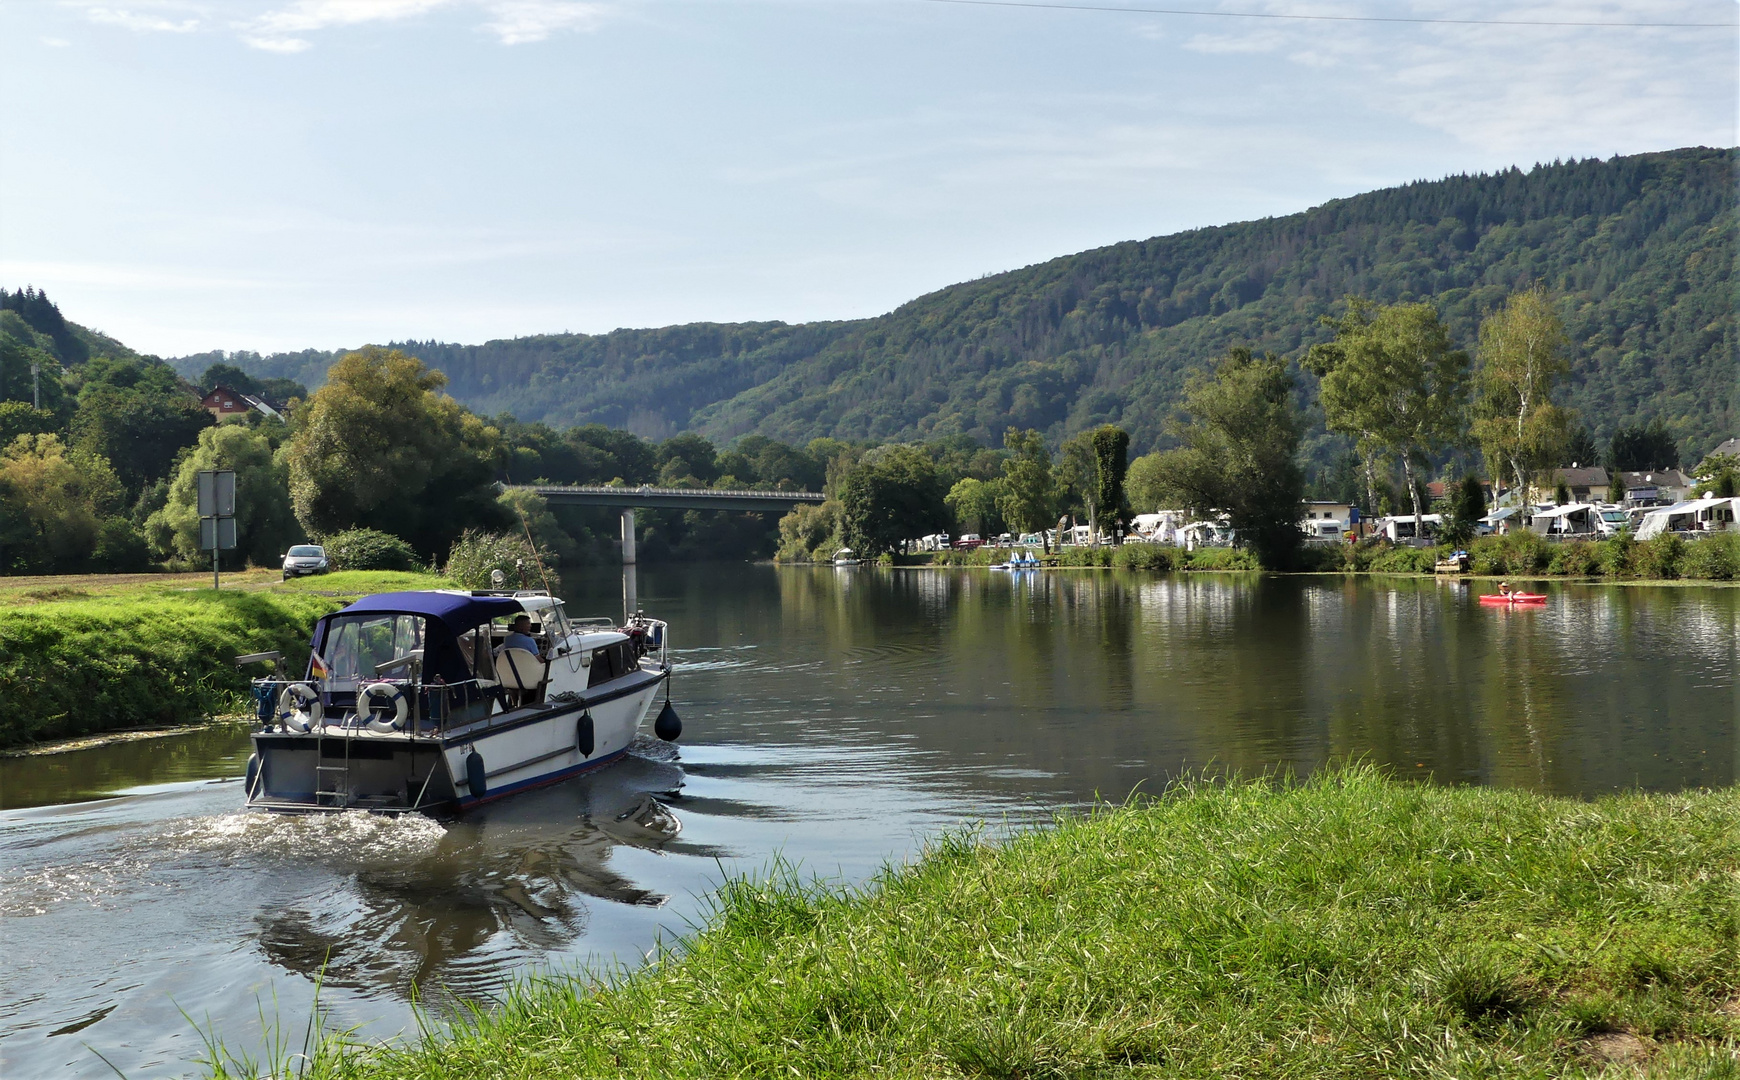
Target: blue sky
279,174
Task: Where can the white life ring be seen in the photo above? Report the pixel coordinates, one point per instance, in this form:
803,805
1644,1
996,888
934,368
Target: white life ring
299,707
388,694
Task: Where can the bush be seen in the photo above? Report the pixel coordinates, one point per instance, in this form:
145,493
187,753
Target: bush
1084,556
1217,558
368,549
1396,559
1576,558
477,554
1715,558
1520,552
1616,555
1658,557
1326,558
1145,557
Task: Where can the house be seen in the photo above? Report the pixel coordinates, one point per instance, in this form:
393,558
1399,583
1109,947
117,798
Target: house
1324,520
1656,487
1731,447
225,401
1585,484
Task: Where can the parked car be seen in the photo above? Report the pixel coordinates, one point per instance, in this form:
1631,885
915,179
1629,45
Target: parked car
304,559
969,541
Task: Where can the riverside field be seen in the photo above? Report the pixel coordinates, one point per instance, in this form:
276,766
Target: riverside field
87,655
1350,925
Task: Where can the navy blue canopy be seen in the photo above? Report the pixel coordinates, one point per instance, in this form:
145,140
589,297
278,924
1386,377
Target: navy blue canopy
459,612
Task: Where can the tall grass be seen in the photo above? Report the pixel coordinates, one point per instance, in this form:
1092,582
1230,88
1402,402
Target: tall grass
1349,926
77,666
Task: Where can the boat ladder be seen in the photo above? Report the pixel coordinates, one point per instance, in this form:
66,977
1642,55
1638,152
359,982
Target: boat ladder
340,791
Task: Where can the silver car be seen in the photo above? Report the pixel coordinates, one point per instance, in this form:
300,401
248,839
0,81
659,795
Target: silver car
305,559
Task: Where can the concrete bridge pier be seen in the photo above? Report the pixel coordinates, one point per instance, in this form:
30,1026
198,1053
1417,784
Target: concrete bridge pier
628,536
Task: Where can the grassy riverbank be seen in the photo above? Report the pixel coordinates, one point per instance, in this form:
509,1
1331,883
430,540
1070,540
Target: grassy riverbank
81,656
1352,926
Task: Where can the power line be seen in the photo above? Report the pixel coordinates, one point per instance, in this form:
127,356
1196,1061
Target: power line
1328,18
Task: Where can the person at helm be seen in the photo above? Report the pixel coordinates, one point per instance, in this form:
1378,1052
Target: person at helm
519,636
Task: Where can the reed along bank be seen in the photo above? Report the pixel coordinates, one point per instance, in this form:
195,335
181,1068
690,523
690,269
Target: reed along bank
1351,925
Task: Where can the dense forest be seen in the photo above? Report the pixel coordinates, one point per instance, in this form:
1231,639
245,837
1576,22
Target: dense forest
1638,253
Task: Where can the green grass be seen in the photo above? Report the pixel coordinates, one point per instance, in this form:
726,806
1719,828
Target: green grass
1350,926
92,657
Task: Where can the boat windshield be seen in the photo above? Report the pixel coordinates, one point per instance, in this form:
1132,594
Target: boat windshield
355,644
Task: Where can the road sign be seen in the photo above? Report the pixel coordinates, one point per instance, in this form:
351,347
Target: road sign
217,534
217,493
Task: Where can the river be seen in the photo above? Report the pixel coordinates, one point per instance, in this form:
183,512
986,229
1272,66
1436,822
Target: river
834,720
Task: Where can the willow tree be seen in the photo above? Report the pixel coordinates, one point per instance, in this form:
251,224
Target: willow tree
1523,353
1393,381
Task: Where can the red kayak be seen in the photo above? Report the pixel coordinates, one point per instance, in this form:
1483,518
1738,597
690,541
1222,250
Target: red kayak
1513,598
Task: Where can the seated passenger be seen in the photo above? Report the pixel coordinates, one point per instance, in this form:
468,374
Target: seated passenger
519,637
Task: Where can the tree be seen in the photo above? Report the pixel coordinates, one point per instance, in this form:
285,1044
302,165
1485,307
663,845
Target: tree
1144,484
1641,447
1467,507
265,524
892,495
1392,381
687,458
974,502
1095,463
1028,501
1616,487
1719,475
1239,454
1580,449
380,446
138,417
53,501
1522,356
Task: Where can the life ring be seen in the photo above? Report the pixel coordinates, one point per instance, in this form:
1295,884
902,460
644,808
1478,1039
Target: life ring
389,695
299,707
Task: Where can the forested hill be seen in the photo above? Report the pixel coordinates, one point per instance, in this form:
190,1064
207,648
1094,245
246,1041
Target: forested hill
1640,251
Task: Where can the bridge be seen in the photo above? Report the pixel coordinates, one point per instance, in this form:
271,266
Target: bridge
630,499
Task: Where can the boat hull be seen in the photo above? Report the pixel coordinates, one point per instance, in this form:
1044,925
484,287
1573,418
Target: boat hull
1514,599
338,768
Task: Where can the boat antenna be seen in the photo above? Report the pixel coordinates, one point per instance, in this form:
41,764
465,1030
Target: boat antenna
533,544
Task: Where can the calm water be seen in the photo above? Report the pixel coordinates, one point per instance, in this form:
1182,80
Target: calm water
835,718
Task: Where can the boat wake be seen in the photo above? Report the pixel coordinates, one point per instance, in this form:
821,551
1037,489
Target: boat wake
352,837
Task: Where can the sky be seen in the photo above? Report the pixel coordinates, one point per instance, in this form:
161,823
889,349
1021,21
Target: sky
284,174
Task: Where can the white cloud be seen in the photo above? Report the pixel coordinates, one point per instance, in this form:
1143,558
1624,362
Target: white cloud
143,22
513,22
516,22
56,43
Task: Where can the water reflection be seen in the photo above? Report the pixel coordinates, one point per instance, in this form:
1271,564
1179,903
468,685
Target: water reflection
836,719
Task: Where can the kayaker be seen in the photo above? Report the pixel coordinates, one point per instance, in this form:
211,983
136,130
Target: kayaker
1504,588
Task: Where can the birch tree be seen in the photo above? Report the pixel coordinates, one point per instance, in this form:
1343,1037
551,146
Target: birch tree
1523,353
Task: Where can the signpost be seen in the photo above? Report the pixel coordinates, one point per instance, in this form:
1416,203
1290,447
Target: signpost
217,514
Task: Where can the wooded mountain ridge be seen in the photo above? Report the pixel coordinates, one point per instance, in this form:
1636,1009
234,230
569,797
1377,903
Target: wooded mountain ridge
1638,252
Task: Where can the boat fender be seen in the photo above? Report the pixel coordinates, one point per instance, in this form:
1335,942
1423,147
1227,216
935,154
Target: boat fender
253,773
475,775
299,707
583,734
379,697
668,726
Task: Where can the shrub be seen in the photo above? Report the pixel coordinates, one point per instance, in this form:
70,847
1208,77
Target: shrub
1576,558
476,555
1403,560
1616,555
1084,556
368,549
1145,557
1520,552
1657,557
1716,558
1216,558
1326,558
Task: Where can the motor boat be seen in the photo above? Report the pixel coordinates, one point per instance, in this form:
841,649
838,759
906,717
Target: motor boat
432,702
847,557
